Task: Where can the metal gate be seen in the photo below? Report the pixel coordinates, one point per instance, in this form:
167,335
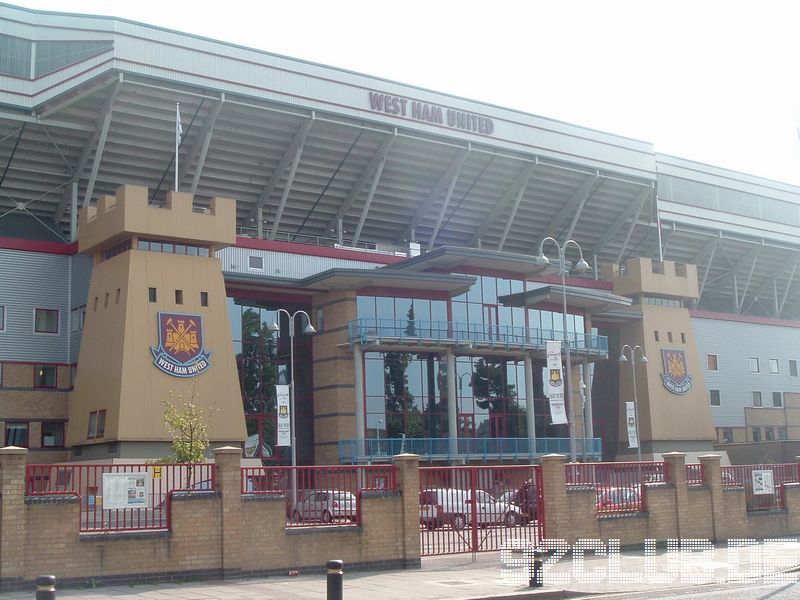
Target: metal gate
479,509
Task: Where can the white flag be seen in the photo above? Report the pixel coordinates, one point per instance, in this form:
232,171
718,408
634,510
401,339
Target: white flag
178,127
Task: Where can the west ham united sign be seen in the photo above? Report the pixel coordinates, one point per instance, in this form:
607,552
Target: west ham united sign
675,376
180,351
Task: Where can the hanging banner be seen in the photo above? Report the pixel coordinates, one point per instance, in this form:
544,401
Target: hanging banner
630,418
555,379
284,429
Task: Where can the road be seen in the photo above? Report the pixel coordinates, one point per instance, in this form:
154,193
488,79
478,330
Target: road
757,590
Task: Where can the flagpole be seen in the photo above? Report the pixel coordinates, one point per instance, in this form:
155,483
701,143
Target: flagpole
177,139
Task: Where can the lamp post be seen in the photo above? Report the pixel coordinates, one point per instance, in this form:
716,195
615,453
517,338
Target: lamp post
580,267
643,359
272,328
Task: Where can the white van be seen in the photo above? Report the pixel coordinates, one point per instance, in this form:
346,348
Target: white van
454,507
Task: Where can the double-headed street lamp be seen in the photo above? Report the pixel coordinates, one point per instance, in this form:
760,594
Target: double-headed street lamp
272,328
643,359
580,267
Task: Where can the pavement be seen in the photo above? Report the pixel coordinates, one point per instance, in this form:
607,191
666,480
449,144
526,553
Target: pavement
490,575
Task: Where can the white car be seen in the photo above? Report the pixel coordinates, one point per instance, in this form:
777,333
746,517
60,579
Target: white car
489,510
325,506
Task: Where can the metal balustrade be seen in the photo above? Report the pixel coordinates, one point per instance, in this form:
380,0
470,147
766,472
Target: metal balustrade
619,487
764,484
478,448
477,334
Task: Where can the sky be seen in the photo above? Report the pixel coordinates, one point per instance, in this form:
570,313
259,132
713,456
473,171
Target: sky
712,81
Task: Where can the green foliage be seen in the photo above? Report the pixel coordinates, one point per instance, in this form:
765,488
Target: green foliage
187,424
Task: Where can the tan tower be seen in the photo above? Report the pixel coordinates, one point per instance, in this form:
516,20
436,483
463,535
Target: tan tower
156,324
673,406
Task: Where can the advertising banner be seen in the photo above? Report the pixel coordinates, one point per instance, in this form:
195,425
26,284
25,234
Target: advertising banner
630,419
126,490
555,379
763,482
284,429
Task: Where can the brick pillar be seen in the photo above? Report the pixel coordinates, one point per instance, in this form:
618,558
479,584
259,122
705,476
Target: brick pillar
13,534
676,477
712,478
554,491
407,466
229,486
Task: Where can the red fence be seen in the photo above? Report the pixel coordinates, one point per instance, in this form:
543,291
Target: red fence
763,484
319,495
695,474
479,509
116,497
619,486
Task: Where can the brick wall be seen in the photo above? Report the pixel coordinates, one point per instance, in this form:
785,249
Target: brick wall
214,533
674,509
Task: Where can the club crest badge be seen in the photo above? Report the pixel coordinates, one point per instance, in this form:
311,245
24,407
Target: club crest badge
180,351
676,377
555,378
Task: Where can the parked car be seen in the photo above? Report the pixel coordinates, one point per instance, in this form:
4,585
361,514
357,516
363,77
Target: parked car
489,510
325,506
449,506
618,499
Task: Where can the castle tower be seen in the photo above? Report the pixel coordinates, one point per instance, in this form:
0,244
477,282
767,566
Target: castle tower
673,405
156,325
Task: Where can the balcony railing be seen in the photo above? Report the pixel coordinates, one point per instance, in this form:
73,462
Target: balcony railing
403,330
481,448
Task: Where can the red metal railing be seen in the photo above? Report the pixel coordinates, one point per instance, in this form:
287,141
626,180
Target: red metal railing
695,474
319,495
120,497
619,486
765,490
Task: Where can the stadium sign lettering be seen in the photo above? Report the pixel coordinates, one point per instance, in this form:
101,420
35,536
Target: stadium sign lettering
430,113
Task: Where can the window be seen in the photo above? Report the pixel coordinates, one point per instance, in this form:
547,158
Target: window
44,376
116,301
669,336
727,435
753,362
94,305
793,368
683,338
2,318
756,434
320,319
656,334
769,433
255,262
73,375
711,362
782,434
16,434
756,398
178,296
53,434
105,302
680,269
152,296
45,320
777,399
77,318
714,395
774,367
203,298
97,424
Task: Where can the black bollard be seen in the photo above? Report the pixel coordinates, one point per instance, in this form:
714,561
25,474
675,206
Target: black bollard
335,579
46,587
536,572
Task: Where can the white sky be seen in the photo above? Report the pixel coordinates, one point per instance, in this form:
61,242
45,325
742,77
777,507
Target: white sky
714,81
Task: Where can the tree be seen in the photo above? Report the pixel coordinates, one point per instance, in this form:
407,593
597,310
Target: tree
187,424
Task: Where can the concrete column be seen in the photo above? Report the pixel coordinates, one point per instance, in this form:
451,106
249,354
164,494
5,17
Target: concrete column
229,485
407,466
530,415
676,476
554,491
712,478
260,222
73,212
12,513
452,404
358,380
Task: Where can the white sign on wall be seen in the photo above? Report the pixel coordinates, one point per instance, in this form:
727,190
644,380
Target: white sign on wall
126,490
284,428
555,380
763,482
